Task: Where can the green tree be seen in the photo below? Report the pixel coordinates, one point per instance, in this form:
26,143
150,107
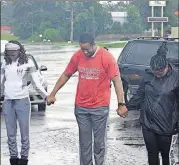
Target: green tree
6,13
31,17
36,16
171,7
52,34
134,21
144,11
116,28
92,17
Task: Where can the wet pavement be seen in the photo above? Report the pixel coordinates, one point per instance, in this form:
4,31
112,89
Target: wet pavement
54,133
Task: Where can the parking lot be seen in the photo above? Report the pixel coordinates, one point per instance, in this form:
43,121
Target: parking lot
54,133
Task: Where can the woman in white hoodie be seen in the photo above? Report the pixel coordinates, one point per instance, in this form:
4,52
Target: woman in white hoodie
16,105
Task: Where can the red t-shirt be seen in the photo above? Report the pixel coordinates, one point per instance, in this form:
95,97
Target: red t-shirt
95,76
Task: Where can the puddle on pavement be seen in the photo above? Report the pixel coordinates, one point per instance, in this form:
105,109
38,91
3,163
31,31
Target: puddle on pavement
134,142
127,132
135,145
57,129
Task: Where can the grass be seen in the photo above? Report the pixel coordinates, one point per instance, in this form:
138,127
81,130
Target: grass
112,45
101,44
65,43
8,37
54,43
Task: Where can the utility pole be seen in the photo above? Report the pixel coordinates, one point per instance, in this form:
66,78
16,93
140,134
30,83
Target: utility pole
72,22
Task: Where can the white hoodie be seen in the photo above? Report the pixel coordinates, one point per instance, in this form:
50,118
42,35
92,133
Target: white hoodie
15,80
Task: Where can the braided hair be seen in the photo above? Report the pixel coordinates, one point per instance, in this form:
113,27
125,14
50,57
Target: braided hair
159,61
22,55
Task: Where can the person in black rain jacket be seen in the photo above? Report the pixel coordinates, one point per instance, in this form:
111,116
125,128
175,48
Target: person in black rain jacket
158,100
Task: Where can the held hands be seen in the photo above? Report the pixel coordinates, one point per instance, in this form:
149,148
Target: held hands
122,111
51,99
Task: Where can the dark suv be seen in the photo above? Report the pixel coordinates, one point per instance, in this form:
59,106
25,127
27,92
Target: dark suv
134,60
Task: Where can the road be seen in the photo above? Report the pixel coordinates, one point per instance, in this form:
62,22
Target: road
54,133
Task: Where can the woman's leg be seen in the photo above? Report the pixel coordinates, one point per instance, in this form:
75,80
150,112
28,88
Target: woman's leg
152,147
23,110
164,147
11,126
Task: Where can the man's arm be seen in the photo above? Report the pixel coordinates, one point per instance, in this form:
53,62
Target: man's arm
60,83
114,75
69,71
117,82
121,110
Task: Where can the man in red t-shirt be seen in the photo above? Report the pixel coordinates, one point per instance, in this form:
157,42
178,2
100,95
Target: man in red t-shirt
97,68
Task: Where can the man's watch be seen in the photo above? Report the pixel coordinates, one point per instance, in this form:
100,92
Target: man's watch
121,104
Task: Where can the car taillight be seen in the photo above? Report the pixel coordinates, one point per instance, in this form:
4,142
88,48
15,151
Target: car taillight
134,76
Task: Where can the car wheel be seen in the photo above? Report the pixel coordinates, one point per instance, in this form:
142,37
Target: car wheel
42,107
127,93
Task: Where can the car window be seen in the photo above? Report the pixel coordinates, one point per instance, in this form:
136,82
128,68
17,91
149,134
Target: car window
32,58
140,52
173,50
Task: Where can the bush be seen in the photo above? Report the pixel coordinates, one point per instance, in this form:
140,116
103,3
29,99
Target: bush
52,34
35,37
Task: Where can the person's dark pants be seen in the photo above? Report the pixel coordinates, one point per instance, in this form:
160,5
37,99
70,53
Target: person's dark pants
92,121
156,143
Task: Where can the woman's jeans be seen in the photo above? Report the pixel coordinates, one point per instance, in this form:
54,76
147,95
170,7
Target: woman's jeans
17,110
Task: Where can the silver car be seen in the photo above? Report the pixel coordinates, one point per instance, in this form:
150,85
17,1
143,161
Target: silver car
35,98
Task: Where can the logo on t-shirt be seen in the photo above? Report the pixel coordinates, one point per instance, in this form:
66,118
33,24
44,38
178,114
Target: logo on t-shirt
19,71
89,73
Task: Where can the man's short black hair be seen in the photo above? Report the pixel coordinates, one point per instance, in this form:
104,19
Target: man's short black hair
86,38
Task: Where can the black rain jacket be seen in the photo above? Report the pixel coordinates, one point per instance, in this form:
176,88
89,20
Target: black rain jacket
158,101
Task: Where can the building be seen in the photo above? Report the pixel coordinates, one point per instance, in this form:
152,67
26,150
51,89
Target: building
5,30
174,32
119,17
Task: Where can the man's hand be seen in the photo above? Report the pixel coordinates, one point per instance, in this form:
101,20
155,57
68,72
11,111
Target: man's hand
51,100
122,111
